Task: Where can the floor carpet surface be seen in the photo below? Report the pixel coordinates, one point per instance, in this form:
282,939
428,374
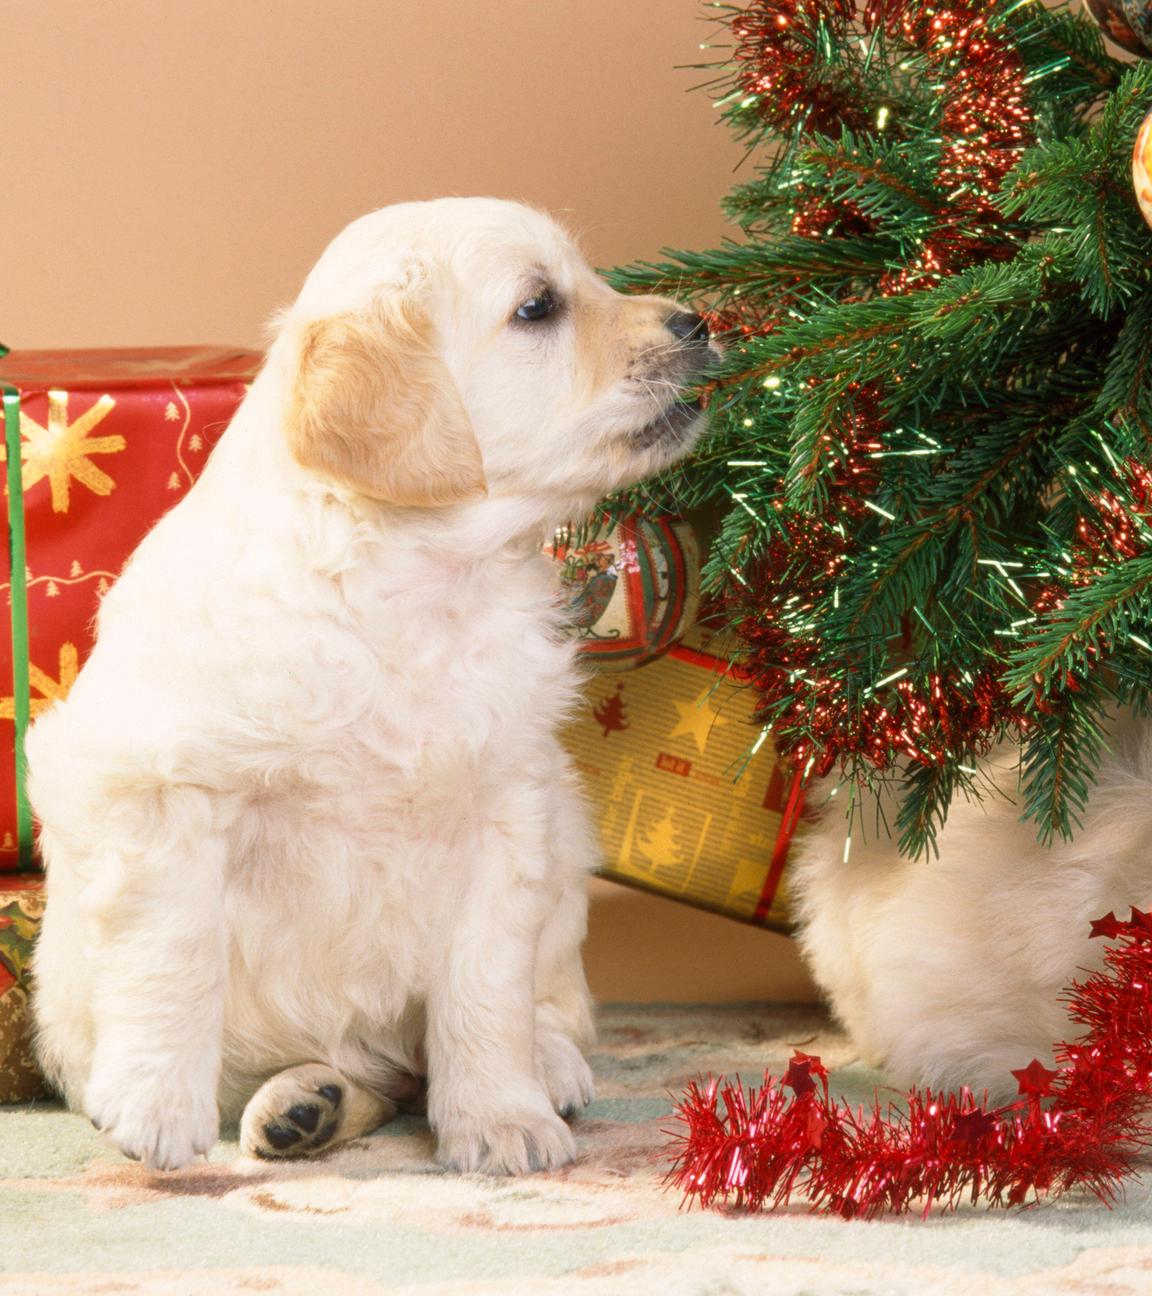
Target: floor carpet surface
377,1216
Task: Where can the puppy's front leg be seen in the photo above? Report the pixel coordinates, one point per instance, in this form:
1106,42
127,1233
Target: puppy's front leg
159,950
485,1100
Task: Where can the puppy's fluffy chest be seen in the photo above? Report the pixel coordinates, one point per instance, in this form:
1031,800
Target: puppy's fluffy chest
470,656
427,696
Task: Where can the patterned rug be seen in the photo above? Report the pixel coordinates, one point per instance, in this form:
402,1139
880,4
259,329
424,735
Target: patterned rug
378,1217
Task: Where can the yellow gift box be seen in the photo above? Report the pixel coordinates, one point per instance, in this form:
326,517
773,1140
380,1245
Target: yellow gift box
691,799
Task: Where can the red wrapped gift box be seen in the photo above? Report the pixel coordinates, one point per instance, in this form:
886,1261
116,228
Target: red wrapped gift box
109,440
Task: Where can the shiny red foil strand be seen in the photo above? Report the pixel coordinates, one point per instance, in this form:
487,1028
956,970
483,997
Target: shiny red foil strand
985,124
1077,1126
920,723
1116,533
1113,535
814,713
776,44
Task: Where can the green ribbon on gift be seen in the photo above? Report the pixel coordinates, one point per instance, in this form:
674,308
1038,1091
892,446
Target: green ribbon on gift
18,567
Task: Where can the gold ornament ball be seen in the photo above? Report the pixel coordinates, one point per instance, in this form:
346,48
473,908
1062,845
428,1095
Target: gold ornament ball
1142,168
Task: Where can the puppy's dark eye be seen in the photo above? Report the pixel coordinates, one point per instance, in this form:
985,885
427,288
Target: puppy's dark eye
537,307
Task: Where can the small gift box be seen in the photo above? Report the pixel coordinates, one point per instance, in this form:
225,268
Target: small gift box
692,801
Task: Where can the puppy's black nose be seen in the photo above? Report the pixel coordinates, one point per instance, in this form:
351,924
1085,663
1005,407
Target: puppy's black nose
687,327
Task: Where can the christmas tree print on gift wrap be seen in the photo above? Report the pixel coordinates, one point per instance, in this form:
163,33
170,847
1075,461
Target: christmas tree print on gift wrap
665,840
661,845
611,713
930,433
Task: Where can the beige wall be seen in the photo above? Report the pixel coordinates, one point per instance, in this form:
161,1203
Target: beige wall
173,167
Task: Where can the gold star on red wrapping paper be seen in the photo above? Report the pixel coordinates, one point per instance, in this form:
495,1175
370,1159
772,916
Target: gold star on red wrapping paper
63,450
50,690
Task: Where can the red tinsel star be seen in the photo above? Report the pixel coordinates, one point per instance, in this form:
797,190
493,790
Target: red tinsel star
1109,926
971,1126
815,1066
1141,924
1035,1078
798,1077
814,1127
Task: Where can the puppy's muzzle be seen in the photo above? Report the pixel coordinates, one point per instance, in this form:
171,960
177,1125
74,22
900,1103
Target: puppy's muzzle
686,364
686,326
696,353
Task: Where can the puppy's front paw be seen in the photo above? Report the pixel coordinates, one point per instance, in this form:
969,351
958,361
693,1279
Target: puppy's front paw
164,1120
565,1075
505,1142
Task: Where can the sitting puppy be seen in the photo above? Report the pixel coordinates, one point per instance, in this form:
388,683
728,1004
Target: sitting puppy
950,971
310,833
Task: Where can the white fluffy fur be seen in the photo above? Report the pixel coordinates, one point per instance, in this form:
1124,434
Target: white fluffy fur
306,802
950,971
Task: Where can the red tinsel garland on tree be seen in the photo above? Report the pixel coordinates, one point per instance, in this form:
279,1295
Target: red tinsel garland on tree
1078,1126
799,567
985,123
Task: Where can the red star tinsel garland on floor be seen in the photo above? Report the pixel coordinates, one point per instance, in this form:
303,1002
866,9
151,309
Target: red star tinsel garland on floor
1078,1126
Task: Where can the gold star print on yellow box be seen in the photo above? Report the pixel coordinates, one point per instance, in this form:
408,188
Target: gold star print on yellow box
63,450
50,690
697,719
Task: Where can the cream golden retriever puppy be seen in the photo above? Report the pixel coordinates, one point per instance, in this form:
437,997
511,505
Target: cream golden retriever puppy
309,831
949,971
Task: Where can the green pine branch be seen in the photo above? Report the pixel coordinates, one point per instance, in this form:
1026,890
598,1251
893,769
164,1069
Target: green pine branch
959,380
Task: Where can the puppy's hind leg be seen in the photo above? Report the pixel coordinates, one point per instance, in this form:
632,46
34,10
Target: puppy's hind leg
156,948
307,1109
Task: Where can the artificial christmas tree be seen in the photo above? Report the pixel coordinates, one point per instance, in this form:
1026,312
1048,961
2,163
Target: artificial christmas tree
931,429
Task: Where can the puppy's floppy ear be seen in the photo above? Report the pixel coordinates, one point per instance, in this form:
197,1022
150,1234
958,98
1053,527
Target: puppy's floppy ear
373,407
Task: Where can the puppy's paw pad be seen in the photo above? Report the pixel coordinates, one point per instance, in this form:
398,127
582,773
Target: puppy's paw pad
305,1116
507,1145
293,1115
